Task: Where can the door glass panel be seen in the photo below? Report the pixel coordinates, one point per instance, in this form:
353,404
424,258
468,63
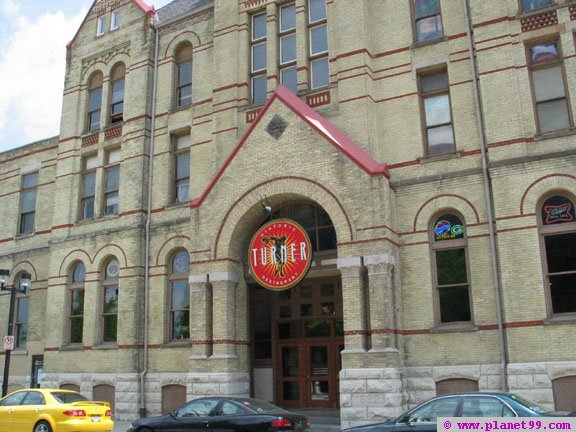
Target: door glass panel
290,366
327,290
328,308
319,360
318,329
289,330
291,390
319,390
285,311
306,310
305,292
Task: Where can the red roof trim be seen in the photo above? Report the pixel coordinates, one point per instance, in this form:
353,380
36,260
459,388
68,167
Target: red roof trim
333,135
149,10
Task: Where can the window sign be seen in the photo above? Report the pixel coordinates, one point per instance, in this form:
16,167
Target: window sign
448,227
557,209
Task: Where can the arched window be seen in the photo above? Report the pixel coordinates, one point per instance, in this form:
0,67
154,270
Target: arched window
184,75
179,296
314,220
117,94
558,237
76,311
21,313
94,101
450,270
110,301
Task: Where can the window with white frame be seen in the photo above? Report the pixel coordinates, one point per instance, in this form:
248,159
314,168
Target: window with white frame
114,20
100,25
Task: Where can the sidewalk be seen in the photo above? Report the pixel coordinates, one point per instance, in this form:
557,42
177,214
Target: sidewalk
121,426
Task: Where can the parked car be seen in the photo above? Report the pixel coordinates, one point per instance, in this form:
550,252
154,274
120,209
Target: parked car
230,414
423,417
53,410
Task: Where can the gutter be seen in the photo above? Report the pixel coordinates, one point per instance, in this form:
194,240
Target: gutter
489,195
147,228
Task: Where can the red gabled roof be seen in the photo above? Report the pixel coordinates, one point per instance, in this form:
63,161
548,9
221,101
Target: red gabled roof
333,135
149,10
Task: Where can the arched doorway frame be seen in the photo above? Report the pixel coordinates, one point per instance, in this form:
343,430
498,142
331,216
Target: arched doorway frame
245,215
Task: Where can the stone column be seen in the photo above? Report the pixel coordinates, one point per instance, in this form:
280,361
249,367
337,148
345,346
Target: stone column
200,316
382,301
354,304
224,312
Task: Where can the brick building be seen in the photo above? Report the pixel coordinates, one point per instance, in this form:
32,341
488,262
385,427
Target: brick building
426,146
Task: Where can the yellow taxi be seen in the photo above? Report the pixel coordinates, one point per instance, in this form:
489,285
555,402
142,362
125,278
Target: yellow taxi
53,410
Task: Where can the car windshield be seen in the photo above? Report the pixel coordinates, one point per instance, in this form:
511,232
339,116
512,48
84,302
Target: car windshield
532,406
66,397
261,406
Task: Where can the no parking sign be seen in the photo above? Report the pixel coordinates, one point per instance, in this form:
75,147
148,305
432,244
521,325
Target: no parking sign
8,343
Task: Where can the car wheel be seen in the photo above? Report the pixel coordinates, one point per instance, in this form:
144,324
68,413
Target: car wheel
42,427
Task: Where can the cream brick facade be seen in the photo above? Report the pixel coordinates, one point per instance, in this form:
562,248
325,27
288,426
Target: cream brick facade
359,154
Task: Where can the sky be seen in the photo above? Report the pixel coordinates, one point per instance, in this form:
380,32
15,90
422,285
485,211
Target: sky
33,39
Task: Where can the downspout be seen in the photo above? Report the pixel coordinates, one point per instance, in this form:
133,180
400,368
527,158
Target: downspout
489,201
147,229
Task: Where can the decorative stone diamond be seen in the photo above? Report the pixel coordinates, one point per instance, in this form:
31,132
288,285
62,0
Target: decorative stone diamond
277,126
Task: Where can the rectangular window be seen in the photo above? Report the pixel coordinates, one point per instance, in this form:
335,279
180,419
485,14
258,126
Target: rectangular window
112,185
549,87
452,285
258,62
561,271
182,168
528,5
287,36
88,187
184,88
94,103
110,314
117,103
21,323
180,309
28,203
76,315
428,20
435,98
318,44
101,26
114,21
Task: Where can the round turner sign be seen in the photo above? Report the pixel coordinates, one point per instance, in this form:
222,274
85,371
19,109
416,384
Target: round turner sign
280,254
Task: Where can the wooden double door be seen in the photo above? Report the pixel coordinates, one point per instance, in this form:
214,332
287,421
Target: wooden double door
308,336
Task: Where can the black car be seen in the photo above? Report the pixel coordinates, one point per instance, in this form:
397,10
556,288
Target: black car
423,417
224,414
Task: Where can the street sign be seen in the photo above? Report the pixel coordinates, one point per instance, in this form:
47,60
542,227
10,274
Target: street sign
8,343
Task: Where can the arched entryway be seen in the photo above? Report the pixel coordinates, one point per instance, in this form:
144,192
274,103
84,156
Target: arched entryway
297,334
